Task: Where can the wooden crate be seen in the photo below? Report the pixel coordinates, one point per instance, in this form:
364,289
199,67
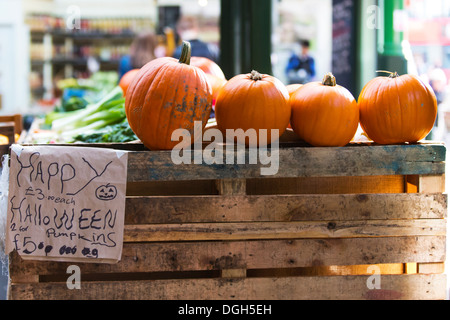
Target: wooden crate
315,230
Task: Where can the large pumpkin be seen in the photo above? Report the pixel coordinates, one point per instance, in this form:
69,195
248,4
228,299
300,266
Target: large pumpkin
253,101
167,94
213,72
324,114
397,109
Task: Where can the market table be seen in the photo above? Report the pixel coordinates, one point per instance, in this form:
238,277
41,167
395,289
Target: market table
364,221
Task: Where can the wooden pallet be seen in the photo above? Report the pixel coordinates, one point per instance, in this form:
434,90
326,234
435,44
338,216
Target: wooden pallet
316,230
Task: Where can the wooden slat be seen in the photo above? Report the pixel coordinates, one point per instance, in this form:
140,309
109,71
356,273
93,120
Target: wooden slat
393,287
284,208
276,254
172,188
283,230
326,185
411,268
431,268
7,129
299,162
431,184
16,119
299,185
354,270
357,270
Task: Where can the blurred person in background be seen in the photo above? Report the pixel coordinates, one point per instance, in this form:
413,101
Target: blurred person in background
438,82
188,30
301,65
142,50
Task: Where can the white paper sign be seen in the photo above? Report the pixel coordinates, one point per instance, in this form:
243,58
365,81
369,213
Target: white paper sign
66,203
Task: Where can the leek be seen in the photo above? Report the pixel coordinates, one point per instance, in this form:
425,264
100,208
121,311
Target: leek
84,117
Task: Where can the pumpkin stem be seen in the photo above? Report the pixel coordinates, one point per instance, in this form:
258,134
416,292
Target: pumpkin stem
255,75
185,56
392,75
329,80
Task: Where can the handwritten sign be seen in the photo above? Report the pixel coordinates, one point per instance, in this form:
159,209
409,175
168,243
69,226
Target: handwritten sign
66,203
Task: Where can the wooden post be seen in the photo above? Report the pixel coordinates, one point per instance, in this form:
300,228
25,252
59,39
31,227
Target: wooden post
228,187
234,273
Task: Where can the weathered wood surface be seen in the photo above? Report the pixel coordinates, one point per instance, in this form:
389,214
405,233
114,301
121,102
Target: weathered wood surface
284,208
298,162
274,186
393,287
293,160
263,254
283,230
345,209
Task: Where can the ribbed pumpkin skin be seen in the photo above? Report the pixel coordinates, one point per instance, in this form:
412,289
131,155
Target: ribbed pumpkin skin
167,95
323,115
244,103
397,109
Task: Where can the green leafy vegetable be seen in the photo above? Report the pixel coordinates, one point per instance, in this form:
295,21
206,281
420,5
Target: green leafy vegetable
120,132
109,110
72,104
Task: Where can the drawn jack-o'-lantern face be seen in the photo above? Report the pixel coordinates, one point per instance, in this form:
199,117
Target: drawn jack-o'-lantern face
106,192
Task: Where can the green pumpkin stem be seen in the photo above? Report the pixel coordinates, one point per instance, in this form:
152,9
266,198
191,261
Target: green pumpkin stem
392,75
329,80
185,56
255,75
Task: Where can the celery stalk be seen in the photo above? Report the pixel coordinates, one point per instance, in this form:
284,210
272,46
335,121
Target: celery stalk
75,119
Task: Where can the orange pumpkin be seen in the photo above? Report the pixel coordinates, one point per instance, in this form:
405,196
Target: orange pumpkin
126,79
253,101
291,89
324,114
208,66
167,94
216,84
397,109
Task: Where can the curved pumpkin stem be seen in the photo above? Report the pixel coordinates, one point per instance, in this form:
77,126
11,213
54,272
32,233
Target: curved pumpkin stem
255,75
392,75
185,56
329,80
